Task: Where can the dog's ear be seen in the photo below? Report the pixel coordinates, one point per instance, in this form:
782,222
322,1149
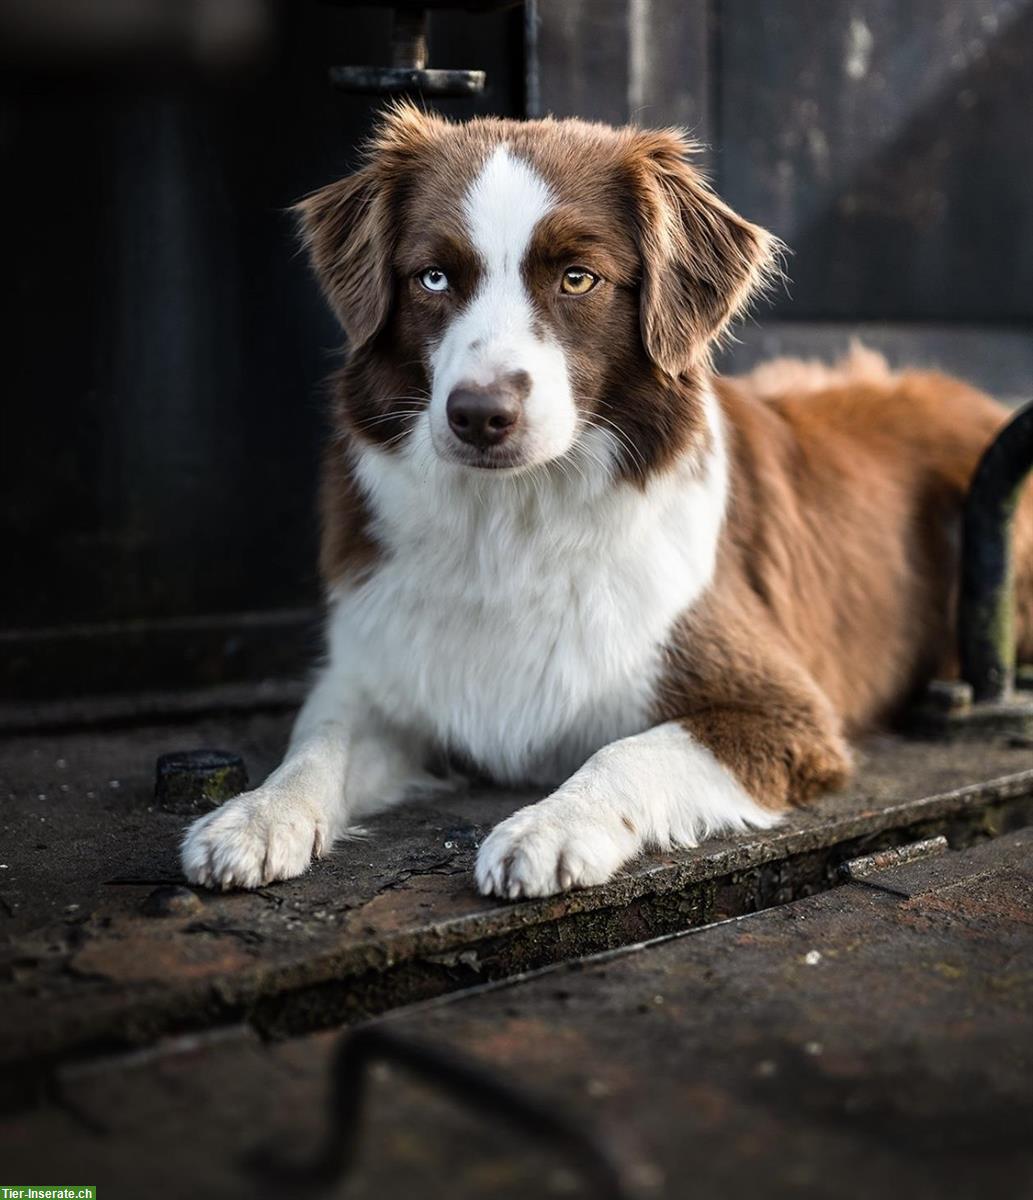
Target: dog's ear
701,262
349,227
346,230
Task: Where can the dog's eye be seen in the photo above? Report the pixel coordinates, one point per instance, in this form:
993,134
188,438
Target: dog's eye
577,281
434,280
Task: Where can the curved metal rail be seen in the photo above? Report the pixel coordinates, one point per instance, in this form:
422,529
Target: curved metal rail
986,602
467,1082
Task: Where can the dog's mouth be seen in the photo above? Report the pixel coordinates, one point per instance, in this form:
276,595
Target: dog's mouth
490,459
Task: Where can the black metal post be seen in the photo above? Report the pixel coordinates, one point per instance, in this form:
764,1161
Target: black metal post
409,39
986,605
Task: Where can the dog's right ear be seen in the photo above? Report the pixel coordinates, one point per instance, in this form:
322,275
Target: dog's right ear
346,230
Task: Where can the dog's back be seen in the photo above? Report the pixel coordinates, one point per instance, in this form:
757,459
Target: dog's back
872,469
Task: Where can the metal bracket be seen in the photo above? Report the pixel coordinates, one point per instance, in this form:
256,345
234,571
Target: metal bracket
408,73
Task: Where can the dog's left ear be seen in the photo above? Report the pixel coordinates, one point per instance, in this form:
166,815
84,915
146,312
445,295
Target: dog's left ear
702,262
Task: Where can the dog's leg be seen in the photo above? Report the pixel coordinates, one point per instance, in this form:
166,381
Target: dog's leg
342,764
720,771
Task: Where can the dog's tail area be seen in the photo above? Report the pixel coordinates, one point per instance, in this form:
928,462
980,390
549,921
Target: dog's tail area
780,377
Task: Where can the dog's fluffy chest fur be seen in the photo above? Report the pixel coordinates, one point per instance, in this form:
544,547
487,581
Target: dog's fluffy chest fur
523,624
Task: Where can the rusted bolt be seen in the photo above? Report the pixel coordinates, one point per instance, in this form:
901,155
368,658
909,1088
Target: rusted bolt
171,902
196,781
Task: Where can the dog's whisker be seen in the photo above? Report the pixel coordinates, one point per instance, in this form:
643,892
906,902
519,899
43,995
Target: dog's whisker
392,416
623,438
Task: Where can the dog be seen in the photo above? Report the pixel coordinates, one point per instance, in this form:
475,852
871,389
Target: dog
558,548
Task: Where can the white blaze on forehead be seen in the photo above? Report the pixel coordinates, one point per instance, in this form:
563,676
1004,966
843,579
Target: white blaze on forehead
504,204
495,333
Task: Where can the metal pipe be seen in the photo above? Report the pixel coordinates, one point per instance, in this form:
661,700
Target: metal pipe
409,39
986,602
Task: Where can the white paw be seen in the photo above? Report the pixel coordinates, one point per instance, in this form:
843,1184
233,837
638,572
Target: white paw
258,837
542,850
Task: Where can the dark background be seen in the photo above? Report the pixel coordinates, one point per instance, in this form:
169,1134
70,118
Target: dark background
164,342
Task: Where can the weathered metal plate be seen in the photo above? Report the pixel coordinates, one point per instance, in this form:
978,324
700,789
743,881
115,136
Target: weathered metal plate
863,140
852,1044
647,61
384,921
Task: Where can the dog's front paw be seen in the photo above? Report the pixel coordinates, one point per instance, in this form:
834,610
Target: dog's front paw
542,850
258,837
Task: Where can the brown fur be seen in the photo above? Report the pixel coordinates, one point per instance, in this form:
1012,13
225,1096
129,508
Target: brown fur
834,596
702,262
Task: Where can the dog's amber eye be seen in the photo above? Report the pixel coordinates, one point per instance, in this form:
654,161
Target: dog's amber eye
577,281
434,279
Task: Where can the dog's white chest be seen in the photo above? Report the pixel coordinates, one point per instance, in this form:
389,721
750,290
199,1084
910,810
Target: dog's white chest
550,667
525,629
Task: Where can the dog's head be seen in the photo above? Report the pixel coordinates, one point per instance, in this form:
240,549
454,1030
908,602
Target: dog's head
511,288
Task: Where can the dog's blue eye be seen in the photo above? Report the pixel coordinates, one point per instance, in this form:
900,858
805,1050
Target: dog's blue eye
434,280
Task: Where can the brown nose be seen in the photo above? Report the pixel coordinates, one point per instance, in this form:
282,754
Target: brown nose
483,417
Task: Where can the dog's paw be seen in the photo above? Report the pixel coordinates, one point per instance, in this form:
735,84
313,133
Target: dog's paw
254,839
542,850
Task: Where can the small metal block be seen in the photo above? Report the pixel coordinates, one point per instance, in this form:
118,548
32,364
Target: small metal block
171,902
857,869
947,711
949,696
196,781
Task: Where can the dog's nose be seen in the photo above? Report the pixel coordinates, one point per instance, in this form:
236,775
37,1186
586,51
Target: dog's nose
483,417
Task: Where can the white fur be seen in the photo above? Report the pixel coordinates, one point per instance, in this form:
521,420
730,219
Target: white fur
659,788
521,619
494,335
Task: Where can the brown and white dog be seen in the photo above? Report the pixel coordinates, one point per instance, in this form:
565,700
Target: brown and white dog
557,546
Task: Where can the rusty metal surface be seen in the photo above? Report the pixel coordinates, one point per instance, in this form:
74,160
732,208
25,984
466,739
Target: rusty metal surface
382,922
851,1044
